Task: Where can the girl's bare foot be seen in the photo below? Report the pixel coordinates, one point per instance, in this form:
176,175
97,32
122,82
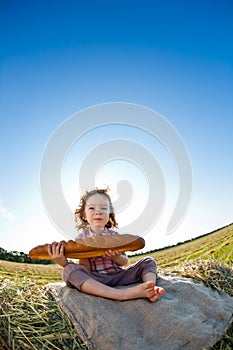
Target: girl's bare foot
144,290
158,292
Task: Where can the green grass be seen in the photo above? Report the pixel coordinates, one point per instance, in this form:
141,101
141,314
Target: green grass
216,246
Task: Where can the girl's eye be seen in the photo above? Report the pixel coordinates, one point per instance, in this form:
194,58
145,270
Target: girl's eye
104,209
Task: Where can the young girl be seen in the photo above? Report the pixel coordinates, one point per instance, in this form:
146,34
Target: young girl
98,276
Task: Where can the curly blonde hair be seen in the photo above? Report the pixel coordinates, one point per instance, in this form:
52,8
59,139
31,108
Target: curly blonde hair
79,212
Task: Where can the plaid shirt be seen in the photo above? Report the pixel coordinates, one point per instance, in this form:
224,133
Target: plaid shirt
101,264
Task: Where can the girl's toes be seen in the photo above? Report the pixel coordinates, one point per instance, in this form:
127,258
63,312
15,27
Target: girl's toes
160,291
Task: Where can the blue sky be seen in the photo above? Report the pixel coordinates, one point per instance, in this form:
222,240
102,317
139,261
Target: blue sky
60,57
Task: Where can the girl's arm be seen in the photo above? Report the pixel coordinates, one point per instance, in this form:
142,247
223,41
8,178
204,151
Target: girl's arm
84,262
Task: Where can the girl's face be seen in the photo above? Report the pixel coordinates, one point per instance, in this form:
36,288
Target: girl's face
96,212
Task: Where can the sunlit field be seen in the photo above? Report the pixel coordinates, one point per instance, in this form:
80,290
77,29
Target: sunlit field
32,319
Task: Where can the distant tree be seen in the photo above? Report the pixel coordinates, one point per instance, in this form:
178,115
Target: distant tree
3,253
21,257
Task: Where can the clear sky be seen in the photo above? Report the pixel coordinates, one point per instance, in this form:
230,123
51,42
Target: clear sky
59,57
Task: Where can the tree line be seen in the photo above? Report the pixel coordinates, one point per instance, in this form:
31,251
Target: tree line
21,257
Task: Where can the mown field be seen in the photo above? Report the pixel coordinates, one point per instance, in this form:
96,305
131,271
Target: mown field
216,246
40,274
31,319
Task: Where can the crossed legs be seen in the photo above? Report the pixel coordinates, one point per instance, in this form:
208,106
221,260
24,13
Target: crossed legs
145,271
147,289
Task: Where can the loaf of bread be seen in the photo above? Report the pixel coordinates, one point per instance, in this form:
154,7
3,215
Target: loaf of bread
92,247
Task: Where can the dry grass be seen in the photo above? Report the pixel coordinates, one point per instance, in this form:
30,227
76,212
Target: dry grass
39,274
212,274
32,319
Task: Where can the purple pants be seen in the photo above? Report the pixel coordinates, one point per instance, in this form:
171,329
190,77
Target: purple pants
75,275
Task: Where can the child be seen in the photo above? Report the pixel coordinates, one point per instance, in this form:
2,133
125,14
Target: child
98,276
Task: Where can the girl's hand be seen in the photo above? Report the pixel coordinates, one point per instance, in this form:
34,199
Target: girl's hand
56,251
119,258
112,253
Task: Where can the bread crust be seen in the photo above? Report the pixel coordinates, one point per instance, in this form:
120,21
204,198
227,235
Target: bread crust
91,247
